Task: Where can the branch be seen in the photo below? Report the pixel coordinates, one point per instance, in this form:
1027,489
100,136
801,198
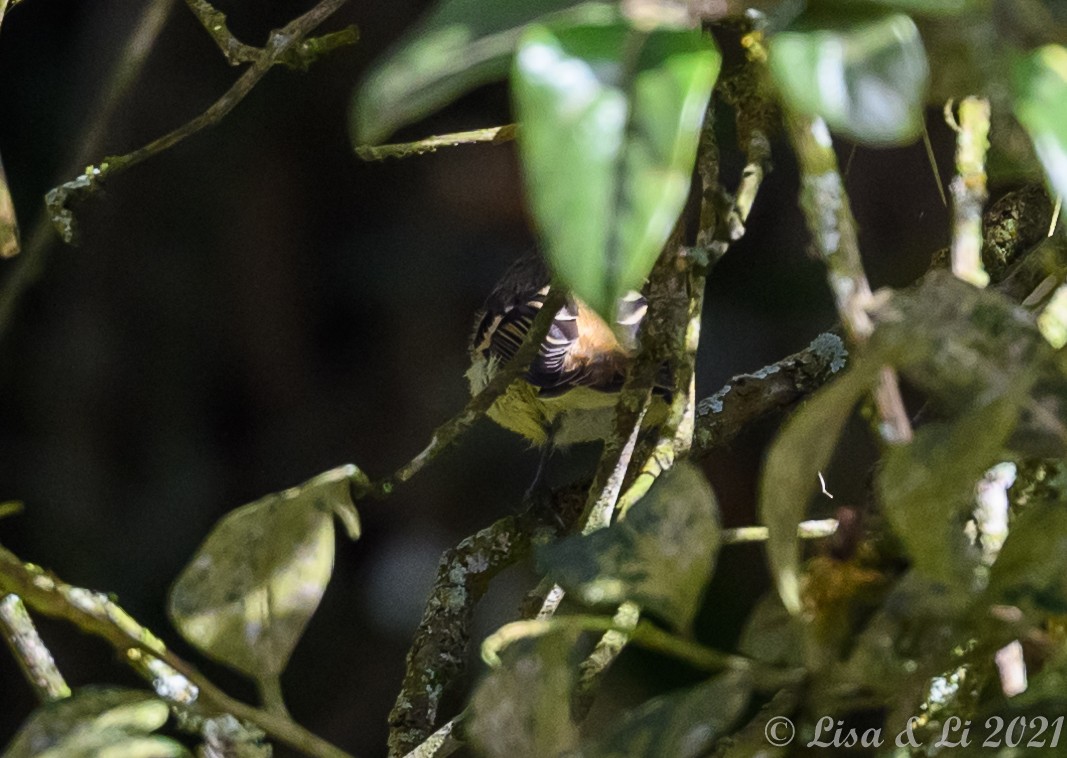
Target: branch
29,650
969,191
494,135
282,45
438,653
451,430
833,231
749,397
97,614
237,52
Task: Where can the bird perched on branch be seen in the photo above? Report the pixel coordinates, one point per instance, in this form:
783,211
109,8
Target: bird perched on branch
568,393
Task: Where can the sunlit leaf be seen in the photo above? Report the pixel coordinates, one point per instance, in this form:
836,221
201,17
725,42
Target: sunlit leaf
460,45
610,122
790,476
1040,80
97,722
864,74
522,708
682,724
928,485
661,556
250,590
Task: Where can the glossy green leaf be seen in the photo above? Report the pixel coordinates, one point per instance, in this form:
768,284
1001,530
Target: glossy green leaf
865,75
790,475
250,590
661,556
460,45
97,722
1040,80
522,708
927,486
683,724
610,122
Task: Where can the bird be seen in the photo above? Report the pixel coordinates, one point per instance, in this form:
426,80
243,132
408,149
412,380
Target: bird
567,395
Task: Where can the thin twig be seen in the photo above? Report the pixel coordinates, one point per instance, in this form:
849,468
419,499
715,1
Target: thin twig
833,232
96,613
494,135
969,191
932,159
280,47
29,650
236,52
449,432
127,69
806,530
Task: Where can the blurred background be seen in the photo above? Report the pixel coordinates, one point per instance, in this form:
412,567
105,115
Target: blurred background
257,305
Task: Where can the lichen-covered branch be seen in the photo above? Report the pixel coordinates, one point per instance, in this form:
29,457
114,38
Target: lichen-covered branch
969,191
833,231
494,135
282,45
29,650
749,397
438,653
97,614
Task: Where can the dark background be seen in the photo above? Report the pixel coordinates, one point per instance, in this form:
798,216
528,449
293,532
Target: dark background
258,305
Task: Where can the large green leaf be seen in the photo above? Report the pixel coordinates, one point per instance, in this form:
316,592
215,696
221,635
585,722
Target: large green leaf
864,74
1040,80
97,722
803,449
682,724
610,120
522,708
1031,569
250,590
928,486
661,556
460,45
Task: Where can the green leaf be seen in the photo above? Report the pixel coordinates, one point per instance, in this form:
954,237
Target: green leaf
661,556
97,722
802,449
460,45
866,76
1031,570
250,590
771,634
681,724
927,486
1040,80
522,708
610,120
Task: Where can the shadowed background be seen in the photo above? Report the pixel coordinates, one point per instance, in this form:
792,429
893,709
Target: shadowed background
257,305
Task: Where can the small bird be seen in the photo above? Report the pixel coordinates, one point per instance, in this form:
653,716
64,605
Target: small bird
569,391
